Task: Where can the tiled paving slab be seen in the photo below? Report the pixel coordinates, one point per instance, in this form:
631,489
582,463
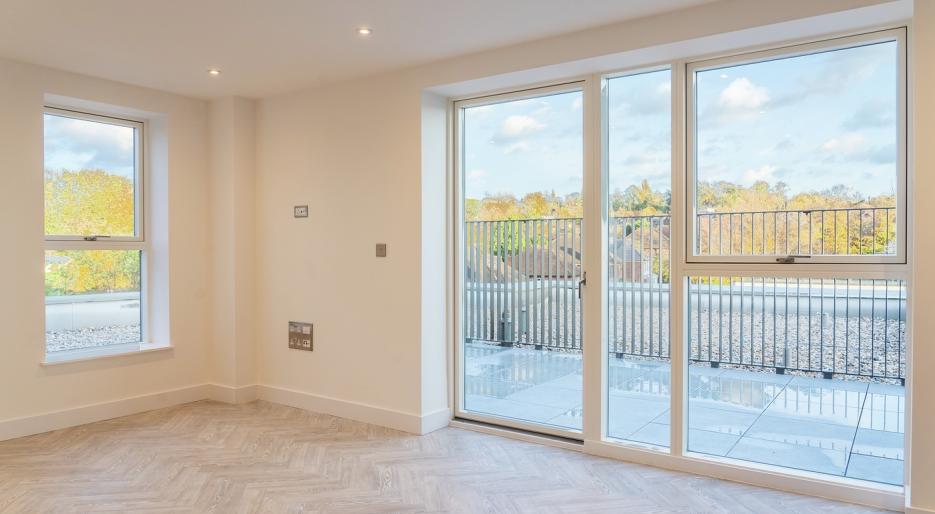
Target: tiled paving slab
841,427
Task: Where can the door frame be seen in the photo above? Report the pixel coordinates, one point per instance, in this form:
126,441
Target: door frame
586,85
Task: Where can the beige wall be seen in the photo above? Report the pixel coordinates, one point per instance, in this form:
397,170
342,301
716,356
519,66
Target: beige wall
28,388
921,476
364,154
232,158
333,150
368,157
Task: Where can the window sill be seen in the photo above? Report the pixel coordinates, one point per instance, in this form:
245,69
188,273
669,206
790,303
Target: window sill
106,352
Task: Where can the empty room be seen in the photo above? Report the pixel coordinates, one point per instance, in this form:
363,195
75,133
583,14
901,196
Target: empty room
515,256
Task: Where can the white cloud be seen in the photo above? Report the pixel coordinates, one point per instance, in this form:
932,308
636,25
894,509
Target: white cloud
846,144
764,173
742,94
576,104
90,133
854,147
79,144
518,125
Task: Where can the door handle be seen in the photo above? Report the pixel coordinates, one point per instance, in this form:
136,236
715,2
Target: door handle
583,282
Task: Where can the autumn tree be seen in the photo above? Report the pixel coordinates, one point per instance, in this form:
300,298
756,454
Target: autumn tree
87,203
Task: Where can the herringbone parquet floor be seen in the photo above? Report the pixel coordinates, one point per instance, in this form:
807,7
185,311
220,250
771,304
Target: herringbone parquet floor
262,457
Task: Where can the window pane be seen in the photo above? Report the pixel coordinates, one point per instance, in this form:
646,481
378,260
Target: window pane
92,298
798,372
90,174
523,176
799,155
639,174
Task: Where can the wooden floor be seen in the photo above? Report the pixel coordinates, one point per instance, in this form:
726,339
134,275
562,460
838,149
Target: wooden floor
262,457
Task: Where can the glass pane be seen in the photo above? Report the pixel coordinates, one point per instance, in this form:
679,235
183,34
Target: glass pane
639,175
523,254
802,373
90,173
799,156
92,298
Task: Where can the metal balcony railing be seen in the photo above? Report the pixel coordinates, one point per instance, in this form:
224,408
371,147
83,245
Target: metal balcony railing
522,287
852,231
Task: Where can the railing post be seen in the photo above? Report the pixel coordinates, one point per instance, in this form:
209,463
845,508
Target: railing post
506,328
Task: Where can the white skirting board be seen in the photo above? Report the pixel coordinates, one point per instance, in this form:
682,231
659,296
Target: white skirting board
230,394
412,423
39,423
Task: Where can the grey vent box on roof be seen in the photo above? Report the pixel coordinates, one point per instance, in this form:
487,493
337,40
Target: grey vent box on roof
300,336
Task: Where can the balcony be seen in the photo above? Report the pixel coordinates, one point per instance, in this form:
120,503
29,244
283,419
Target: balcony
849,428
798,372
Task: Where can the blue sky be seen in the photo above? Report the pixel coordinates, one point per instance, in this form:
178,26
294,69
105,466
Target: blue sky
524,146
812,122
74,144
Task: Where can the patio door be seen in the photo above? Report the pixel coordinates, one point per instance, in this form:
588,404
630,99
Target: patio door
521,169
747,233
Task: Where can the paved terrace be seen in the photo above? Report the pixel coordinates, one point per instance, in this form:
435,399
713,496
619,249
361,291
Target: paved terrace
839,427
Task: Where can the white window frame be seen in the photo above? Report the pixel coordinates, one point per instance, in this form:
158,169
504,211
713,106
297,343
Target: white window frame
692,68
594,433
91,242
458,106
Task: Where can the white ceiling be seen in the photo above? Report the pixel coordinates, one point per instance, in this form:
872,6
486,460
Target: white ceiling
271,46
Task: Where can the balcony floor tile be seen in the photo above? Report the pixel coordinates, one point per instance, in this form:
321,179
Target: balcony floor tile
876,469
795,456
803,432
828,426
877,443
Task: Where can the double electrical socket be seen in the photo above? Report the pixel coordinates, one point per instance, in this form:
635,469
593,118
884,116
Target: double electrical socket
300,336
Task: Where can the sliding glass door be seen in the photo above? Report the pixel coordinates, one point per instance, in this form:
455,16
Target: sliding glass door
522,174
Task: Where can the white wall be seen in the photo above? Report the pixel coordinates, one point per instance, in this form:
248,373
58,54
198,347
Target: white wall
232,159
368,157
29,389
332,150
360,155
354,152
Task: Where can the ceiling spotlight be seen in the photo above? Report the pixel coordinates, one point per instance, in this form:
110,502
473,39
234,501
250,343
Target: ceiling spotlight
214,72
364,31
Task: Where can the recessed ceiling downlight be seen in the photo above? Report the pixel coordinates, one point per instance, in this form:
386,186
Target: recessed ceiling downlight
214,72
364,31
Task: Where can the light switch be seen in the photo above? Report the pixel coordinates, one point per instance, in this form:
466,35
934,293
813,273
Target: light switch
301,211
381,249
